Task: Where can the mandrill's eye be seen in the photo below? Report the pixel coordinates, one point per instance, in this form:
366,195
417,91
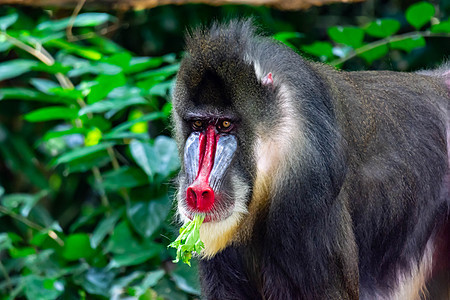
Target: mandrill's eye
224,126
197,125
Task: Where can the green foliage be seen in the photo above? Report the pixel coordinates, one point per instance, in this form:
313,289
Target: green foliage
188,241
442,27
419,14
382,28
349,36
324,50
86,160
94,106
409,43
351,41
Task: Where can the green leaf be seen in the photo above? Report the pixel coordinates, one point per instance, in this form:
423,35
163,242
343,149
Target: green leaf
350,36
23,202
150,280
75,49
163,72
93,137
284,37
42,239
167,108
44,85
81,152
139,64
97,121
82,20
161,158
146,118
5,241
82,67
16,67
104,43
128,250
121,59
112,104
141,127
105,227
97,281
323,50
39,37
88,216
40,288
51,113
77,246
419,14
146,217
167,150
135,258
161,89
287,35
145,156
189,240
122,283
442,27
125,177
382,28
66,132
52,69
408,44
8,20
105,84
166,289
4,45
374,53
30,95
21,252
186,278
127,135
43,262
67,93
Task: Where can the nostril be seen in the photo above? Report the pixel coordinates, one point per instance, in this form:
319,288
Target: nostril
200,197
191,197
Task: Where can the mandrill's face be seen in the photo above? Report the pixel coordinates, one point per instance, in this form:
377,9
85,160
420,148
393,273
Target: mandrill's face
208,153
216,140
210,182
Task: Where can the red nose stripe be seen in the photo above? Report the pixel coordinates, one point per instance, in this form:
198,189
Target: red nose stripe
199,194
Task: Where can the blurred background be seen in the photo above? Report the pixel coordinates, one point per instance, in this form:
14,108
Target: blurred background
87,163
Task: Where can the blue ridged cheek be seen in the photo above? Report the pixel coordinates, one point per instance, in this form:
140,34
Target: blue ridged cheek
191,157
225,151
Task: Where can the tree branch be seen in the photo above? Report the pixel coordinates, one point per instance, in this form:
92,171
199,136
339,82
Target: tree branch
386,41
52,234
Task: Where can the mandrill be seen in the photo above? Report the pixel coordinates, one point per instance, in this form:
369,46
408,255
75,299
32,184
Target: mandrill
314,183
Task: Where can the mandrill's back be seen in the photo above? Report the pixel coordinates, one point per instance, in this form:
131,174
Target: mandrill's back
396,129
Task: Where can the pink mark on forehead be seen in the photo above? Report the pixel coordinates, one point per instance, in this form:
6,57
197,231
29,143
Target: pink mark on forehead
267,80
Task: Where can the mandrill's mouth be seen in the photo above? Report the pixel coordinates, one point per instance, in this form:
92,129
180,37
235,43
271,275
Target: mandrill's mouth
210,216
